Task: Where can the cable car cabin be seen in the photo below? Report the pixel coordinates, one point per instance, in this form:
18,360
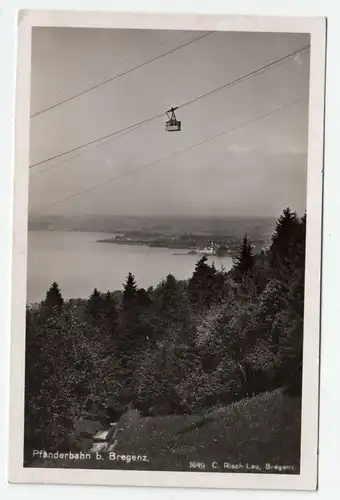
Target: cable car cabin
172,125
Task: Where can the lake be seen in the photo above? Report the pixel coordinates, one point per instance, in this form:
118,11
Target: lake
78,263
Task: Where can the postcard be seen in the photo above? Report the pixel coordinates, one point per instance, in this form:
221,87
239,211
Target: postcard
167,242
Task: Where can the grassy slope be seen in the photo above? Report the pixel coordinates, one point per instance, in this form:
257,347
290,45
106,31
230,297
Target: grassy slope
260,430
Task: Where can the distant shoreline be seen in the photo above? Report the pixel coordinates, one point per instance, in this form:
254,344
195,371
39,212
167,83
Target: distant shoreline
186,250
188,246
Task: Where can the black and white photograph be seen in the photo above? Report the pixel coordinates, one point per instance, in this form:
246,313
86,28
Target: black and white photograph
169,184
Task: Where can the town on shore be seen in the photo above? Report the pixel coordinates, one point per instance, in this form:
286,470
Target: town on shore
191,244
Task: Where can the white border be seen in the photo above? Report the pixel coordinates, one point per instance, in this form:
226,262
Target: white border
307,479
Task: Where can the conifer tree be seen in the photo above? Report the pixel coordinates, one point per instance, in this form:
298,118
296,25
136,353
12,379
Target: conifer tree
53,297
95,304
283,241
130,291
245,261
201,286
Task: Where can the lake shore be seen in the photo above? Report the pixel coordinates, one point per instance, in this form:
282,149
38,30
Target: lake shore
169,245
78,263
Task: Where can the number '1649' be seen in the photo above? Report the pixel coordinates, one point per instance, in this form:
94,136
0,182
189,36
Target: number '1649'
196,465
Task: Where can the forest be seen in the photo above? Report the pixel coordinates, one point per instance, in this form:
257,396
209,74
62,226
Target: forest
180,348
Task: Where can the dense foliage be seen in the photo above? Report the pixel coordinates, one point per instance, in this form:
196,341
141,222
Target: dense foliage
180,348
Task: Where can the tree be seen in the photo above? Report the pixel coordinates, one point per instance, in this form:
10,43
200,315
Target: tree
143,298
169,308
159,371
167,296
245,261
236,353
68,374
53,297
282,249
132,334
287,258
95,304
206,284
110,308
130,291
262,271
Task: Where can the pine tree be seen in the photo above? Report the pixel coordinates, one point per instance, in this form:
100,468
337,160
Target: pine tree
245,261
95,304
201,289
283,241
130,291
132,332
53,297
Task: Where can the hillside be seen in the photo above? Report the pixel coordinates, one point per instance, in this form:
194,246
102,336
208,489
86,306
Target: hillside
248,434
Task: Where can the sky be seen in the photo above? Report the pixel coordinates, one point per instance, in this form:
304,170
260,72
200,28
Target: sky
253,164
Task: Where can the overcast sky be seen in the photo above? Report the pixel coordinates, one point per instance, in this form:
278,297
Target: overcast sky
257,169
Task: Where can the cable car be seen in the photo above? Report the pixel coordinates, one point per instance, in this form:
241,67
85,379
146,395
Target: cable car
172,125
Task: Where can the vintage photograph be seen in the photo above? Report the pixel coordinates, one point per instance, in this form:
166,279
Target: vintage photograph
166,250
